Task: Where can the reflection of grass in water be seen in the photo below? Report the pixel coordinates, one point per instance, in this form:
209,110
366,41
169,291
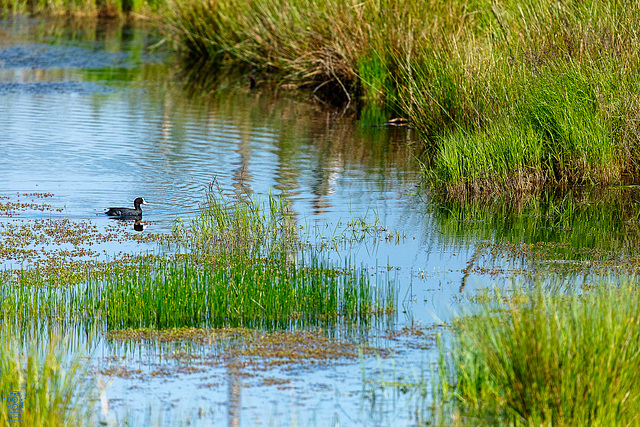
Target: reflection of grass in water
595,226
51,382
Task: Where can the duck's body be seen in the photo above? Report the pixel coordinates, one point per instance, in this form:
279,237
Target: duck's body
128,212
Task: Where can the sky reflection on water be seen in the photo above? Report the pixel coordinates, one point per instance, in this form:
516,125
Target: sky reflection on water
92,116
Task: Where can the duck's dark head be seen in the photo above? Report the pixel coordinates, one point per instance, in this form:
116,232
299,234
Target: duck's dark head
139,201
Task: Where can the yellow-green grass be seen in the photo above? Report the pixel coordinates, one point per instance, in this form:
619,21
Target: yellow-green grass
546,357
338,48
53,383
80,8
508,96
239,226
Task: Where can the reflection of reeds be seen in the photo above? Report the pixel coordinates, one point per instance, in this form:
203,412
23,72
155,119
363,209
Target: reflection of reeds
512,97
594,219
546,357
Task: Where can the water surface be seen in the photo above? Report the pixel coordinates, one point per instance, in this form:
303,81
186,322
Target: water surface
96,117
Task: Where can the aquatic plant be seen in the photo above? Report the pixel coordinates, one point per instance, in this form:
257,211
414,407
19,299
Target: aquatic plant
242,226
547,357
188,290
51,382
239,291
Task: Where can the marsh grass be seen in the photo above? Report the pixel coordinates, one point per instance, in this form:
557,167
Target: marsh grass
337,48
188,291
79,8
239,226
239,291
244,265
508,96
52,380
547,357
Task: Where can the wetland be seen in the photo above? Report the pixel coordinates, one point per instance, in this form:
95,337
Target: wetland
292,267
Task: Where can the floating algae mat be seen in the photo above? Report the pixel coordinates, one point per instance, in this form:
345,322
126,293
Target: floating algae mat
264,310
216,287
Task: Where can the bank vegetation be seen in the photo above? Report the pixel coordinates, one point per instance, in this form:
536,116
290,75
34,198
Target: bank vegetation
507,96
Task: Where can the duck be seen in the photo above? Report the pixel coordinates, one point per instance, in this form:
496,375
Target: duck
128,212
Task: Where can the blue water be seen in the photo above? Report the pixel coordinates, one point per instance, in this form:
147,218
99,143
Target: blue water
98,120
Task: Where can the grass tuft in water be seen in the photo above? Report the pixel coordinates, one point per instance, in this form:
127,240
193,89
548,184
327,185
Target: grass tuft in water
51,381
548,357
245,267
238,291
241,226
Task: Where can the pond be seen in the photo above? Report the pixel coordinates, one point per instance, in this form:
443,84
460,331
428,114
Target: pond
93,116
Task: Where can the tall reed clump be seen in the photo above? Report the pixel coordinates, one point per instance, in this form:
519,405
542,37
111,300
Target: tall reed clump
508,96
548,358
557,133
245,267
241,226
52,384
529,94
238,291
340,48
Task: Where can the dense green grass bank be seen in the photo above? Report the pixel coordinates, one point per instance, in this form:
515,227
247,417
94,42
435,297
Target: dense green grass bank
547,358
508,96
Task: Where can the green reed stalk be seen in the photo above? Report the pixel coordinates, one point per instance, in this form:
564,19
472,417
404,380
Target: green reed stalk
550,358
239,226
52,383
238,291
